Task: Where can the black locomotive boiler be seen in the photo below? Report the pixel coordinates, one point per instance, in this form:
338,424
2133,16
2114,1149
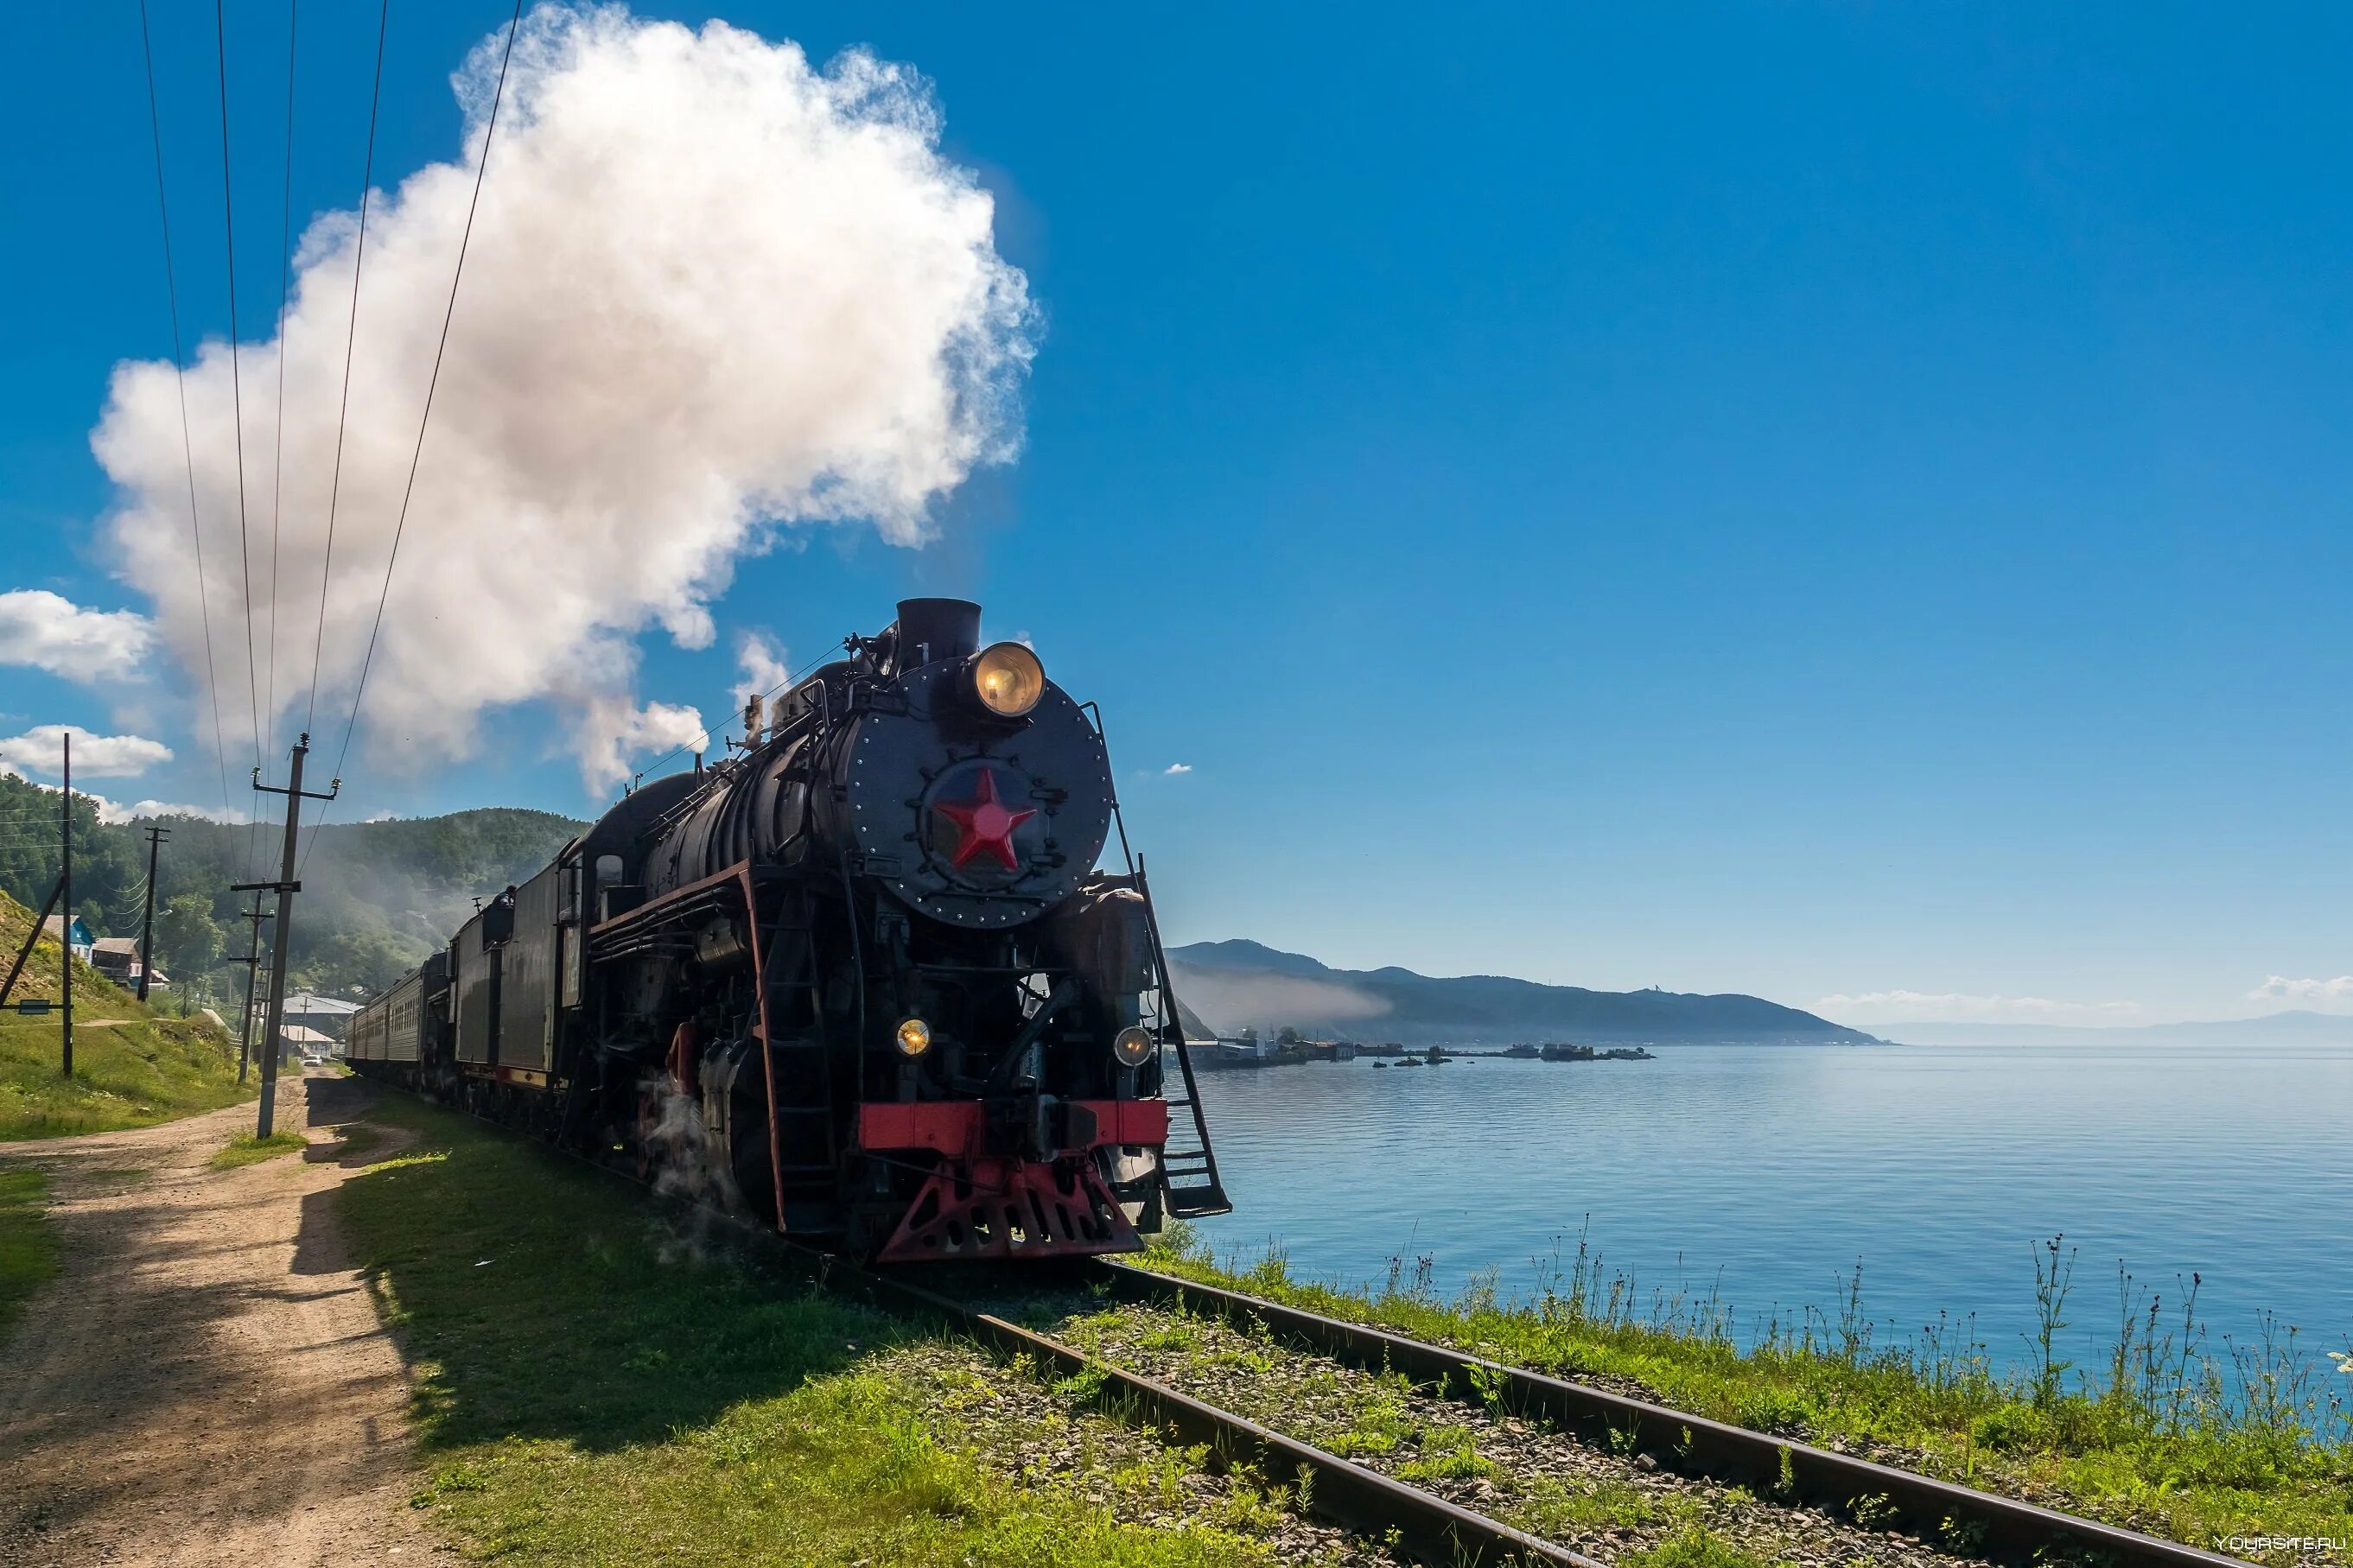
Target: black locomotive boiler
863,978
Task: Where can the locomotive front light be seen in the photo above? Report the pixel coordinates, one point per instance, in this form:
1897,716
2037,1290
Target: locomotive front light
914,1037
1133,1047
1007,679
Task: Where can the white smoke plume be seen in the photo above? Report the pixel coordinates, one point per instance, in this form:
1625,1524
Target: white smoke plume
713,292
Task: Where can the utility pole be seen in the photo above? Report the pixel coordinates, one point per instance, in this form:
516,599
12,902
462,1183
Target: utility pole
252,961
286,887
155,836
64,889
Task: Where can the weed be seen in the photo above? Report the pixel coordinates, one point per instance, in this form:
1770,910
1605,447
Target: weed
28,1241
252,1151
1693,1548
2159,1433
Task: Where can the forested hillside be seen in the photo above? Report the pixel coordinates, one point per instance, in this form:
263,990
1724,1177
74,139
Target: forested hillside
377,895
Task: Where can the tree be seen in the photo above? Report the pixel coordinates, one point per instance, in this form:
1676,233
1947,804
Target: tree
1286,1036
187,938
93,915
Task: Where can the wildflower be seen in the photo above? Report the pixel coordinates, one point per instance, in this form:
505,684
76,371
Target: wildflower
2344,1359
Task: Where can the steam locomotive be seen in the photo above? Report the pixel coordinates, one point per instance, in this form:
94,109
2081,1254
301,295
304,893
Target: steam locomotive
863,978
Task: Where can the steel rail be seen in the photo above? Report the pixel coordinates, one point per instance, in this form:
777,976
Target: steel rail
1772,1467
1357,1499
1428,1528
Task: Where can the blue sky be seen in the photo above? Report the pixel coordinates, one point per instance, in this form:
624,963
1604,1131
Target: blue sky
1821,500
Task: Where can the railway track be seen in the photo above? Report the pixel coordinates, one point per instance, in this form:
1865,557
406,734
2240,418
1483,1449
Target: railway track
1832,1506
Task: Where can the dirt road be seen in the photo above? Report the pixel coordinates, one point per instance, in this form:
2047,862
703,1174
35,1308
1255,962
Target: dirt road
206,1382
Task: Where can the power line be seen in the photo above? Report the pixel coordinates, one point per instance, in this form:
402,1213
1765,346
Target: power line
351,335
236,379
236,397
187,448
285,279
490,131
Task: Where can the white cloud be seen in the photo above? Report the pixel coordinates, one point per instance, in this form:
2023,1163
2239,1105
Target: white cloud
40,751
113,812
1175,768
611,732
762,664
2321,994
1900,1006
713,292
48,632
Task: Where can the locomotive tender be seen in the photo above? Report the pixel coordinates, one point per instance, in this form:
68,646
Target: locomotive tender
863,980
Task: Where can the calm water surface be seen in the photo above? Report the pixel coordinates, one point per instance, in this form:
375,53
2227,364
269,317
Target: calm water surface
1768,1172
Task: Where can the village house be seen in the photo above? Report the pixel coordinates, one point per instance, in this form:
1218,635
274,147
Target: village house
83,937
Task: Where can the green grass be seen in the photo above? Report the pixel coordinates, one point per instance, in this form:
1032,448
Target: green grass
592,1388
358,1136
1693,1548
28,1242
251,1151
143,1070
2166,1436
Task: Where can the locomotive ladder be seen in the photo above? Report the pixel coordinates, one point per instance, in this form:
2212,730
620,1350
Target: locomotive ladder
1189,1168
800,1060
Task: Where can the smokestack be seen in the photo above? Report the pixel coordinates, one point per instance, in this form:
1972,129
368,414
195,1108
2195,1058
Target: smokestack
932,629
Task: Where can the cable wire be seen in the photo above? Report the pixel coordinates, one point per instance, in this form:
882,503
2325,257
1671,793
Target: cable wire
425,420
285,281
351,335
187,448
237,399
236,379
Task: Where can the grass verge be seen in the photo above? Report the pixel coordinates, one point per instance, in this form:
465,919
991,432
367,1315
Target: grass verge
2215,1450
590,1387
133,1067
28,1243
251,1151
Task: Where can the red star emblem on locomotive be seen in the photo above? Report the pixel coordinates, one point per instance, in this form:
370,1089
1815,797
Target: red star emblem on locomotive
984,824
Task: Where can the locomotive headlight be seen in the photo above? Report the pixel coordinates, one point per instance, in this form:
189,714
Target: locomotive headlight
913,1038
1007,679
1133,1047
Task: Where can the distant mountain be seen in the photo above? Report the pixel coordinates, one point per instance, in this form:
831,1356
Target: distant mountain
1235,984
2271,1028
377,895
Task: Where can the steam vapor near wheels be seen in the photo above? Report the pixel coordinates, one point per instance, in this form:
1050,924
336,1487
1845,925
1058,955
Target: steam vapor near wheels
713,293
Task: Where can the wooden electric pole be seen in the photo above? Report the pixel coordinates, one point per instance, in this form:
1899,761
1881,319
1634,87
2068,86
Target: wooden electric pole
31,936
155,836
287,887
65,890
252,961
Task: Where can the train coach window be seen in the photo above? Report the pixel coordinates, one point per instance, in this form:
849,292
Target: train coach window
608,868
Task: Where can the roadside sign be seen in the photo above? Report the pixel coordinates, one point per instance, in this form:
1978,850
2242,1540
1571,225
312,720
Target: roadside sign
32,1005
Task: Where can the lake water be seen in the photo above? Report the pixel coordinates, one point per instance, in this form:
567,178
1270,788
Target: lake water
1766,1172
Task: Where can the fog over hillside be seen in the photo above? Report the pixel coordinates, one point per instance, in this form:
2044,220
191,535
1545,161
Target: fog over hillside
1237,984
